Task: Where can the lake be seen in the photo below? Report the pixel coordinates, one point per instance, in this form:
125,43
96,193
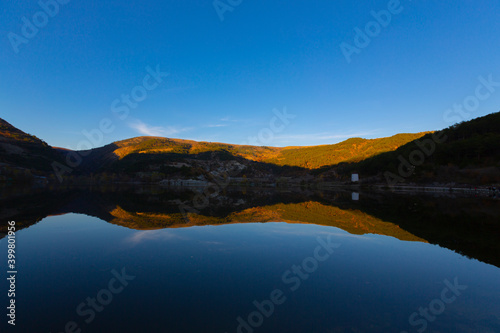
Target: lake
151,259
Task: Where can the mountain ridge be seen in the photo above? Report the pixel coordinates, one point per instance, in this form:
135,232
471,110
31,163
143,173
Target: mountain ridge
153,158
24,151
309,157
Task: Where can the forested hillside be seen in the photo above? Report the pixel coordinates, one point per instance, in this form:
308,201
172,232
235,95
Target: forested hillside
467,152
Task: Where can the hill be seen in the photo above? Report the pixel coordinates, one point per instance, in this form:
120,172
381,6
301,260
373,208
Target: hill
351,150
11,134
129,151
467,152
23,155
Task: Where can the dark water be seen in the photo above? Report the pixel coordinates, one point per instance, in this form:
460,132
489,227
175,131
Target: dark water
127,260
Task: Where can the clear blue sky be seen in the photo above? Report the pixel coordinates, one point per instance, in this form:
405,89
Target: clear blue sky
226,77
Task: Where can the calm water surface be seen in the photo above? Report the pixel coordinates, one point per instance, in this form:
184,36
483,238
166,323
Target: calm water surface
97,262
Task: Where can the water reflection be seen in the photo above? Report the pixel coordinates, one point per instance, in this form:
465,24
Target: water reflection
469,226
234,266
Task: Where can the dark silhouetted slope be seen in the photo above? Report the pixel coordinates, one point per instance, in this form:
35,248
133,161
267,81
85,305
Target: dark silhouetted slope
469,153
21,150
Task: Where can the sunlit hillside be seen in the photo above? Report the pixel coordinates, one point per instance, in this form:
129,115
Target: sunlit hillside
469,153
351,150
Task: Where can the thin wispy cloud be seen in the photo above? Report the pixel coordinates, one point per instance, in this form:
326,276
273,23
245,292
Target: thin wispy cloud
229,119
149,130
216,125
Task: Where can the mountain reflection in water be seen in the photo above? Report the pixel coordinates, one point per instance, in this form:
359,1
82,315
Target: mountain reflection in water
469,226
